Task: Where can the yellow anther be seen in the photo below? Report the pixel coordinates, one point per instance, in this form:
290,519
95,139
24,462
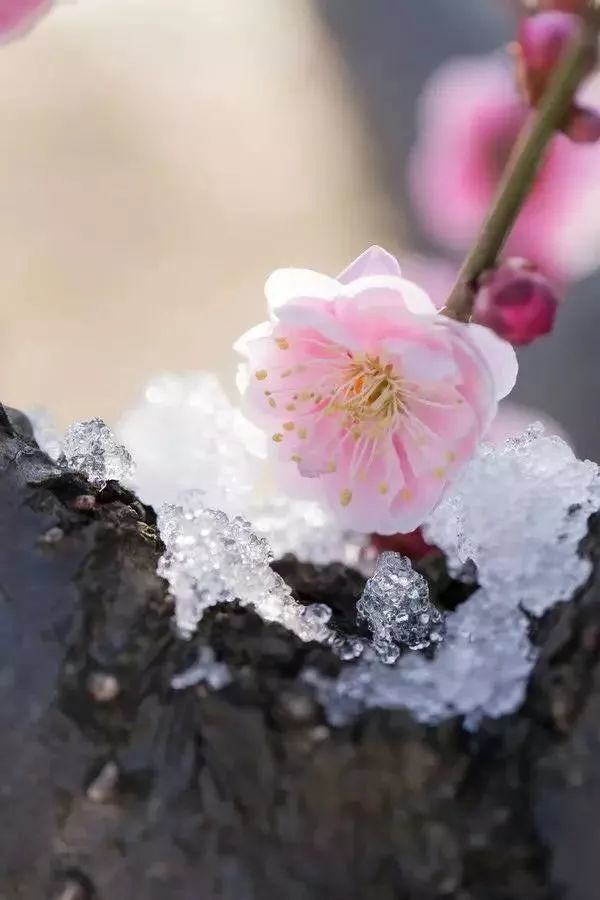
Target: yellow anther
345,496
282,343
261,374
383,488
302,434
289,426
405,495
439,472
295,458
278,438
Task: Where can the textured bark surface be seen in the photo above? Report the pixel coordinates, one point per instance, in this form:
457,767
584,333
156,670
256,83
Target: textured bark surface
115,786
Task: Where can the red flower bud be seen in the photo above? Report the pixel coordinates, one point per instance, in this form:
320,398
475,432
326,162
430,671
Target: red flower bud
583,126
572,6
412,545
543,40
516,301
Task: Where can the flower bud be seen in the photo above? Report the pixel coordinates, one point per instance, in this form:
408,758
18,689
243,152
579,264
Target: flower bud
543,40
516,301
583,126
412,544
542,43
571,6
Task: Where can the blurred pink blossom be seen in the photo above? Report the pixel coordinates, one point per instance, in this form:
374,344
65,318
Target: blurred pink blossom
17,16
470,115
543,41
371,396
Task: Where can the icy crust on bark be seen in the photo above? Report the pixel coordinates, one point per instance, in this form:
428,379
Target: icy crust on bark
212,559
519,512
186,434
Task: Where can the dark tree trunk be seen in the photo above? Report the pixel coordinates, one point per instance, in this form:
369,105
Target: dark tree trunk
115,786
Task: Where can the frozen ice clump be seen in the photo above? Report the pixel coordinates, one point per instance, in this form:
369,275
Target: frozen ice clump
92,449
212,559
396,605
186,434
519,512
206,670
480,669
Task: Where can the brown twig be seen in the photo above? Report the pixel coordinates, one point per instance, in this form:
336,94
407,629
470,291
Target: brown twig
521,171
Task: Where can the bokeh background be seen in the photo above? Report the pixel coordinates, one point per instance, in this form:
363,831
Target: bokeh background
158,158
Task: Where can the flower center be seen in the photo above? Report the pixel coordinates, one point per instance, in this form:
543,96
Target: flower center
370,394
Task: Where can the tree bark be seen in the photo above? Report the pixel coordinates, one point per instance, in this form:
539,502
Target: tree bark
114,785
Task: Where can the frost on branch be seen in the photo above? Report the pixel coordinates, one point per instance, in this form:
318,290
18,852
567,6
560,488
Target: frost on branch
396,605
186,434
519,513
212,559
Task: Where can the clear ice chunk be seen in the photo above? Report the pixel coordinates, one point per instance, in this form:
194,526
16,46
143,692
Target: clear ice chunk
519,513
212,559
92,449
396,606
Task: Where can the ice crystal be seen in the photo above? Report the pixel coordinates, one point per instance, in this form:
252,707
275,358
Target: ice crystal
212,559
92,449
396,605
204,671
186,434
519,514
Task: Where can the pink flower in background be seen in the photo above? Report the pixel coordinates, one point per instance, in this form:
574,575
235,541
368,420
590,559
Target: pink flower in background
17,16
469,118
369,394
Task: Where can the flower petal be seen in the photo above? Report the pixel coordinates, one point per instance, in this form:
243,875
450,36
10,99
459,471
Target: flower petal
18,16
373,261
284,285
262,330
499,355
405,294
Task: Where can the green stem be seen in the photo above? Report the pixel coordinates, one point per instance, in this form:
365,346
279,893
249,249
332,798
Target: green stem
521,172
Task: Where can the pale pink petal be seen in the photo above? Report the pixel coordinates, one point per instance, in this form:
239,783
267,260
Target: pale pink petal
262,330
285,285
373,261
421,362
500,357
318,316
397,290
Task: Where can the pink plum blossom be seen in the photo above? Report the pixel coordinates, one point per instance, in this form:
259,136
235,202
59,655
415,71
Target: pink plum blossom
17,16
374,401
470,115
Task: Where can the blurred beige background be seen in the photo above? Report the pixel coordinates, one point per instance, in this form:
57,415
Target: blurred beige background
158,158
